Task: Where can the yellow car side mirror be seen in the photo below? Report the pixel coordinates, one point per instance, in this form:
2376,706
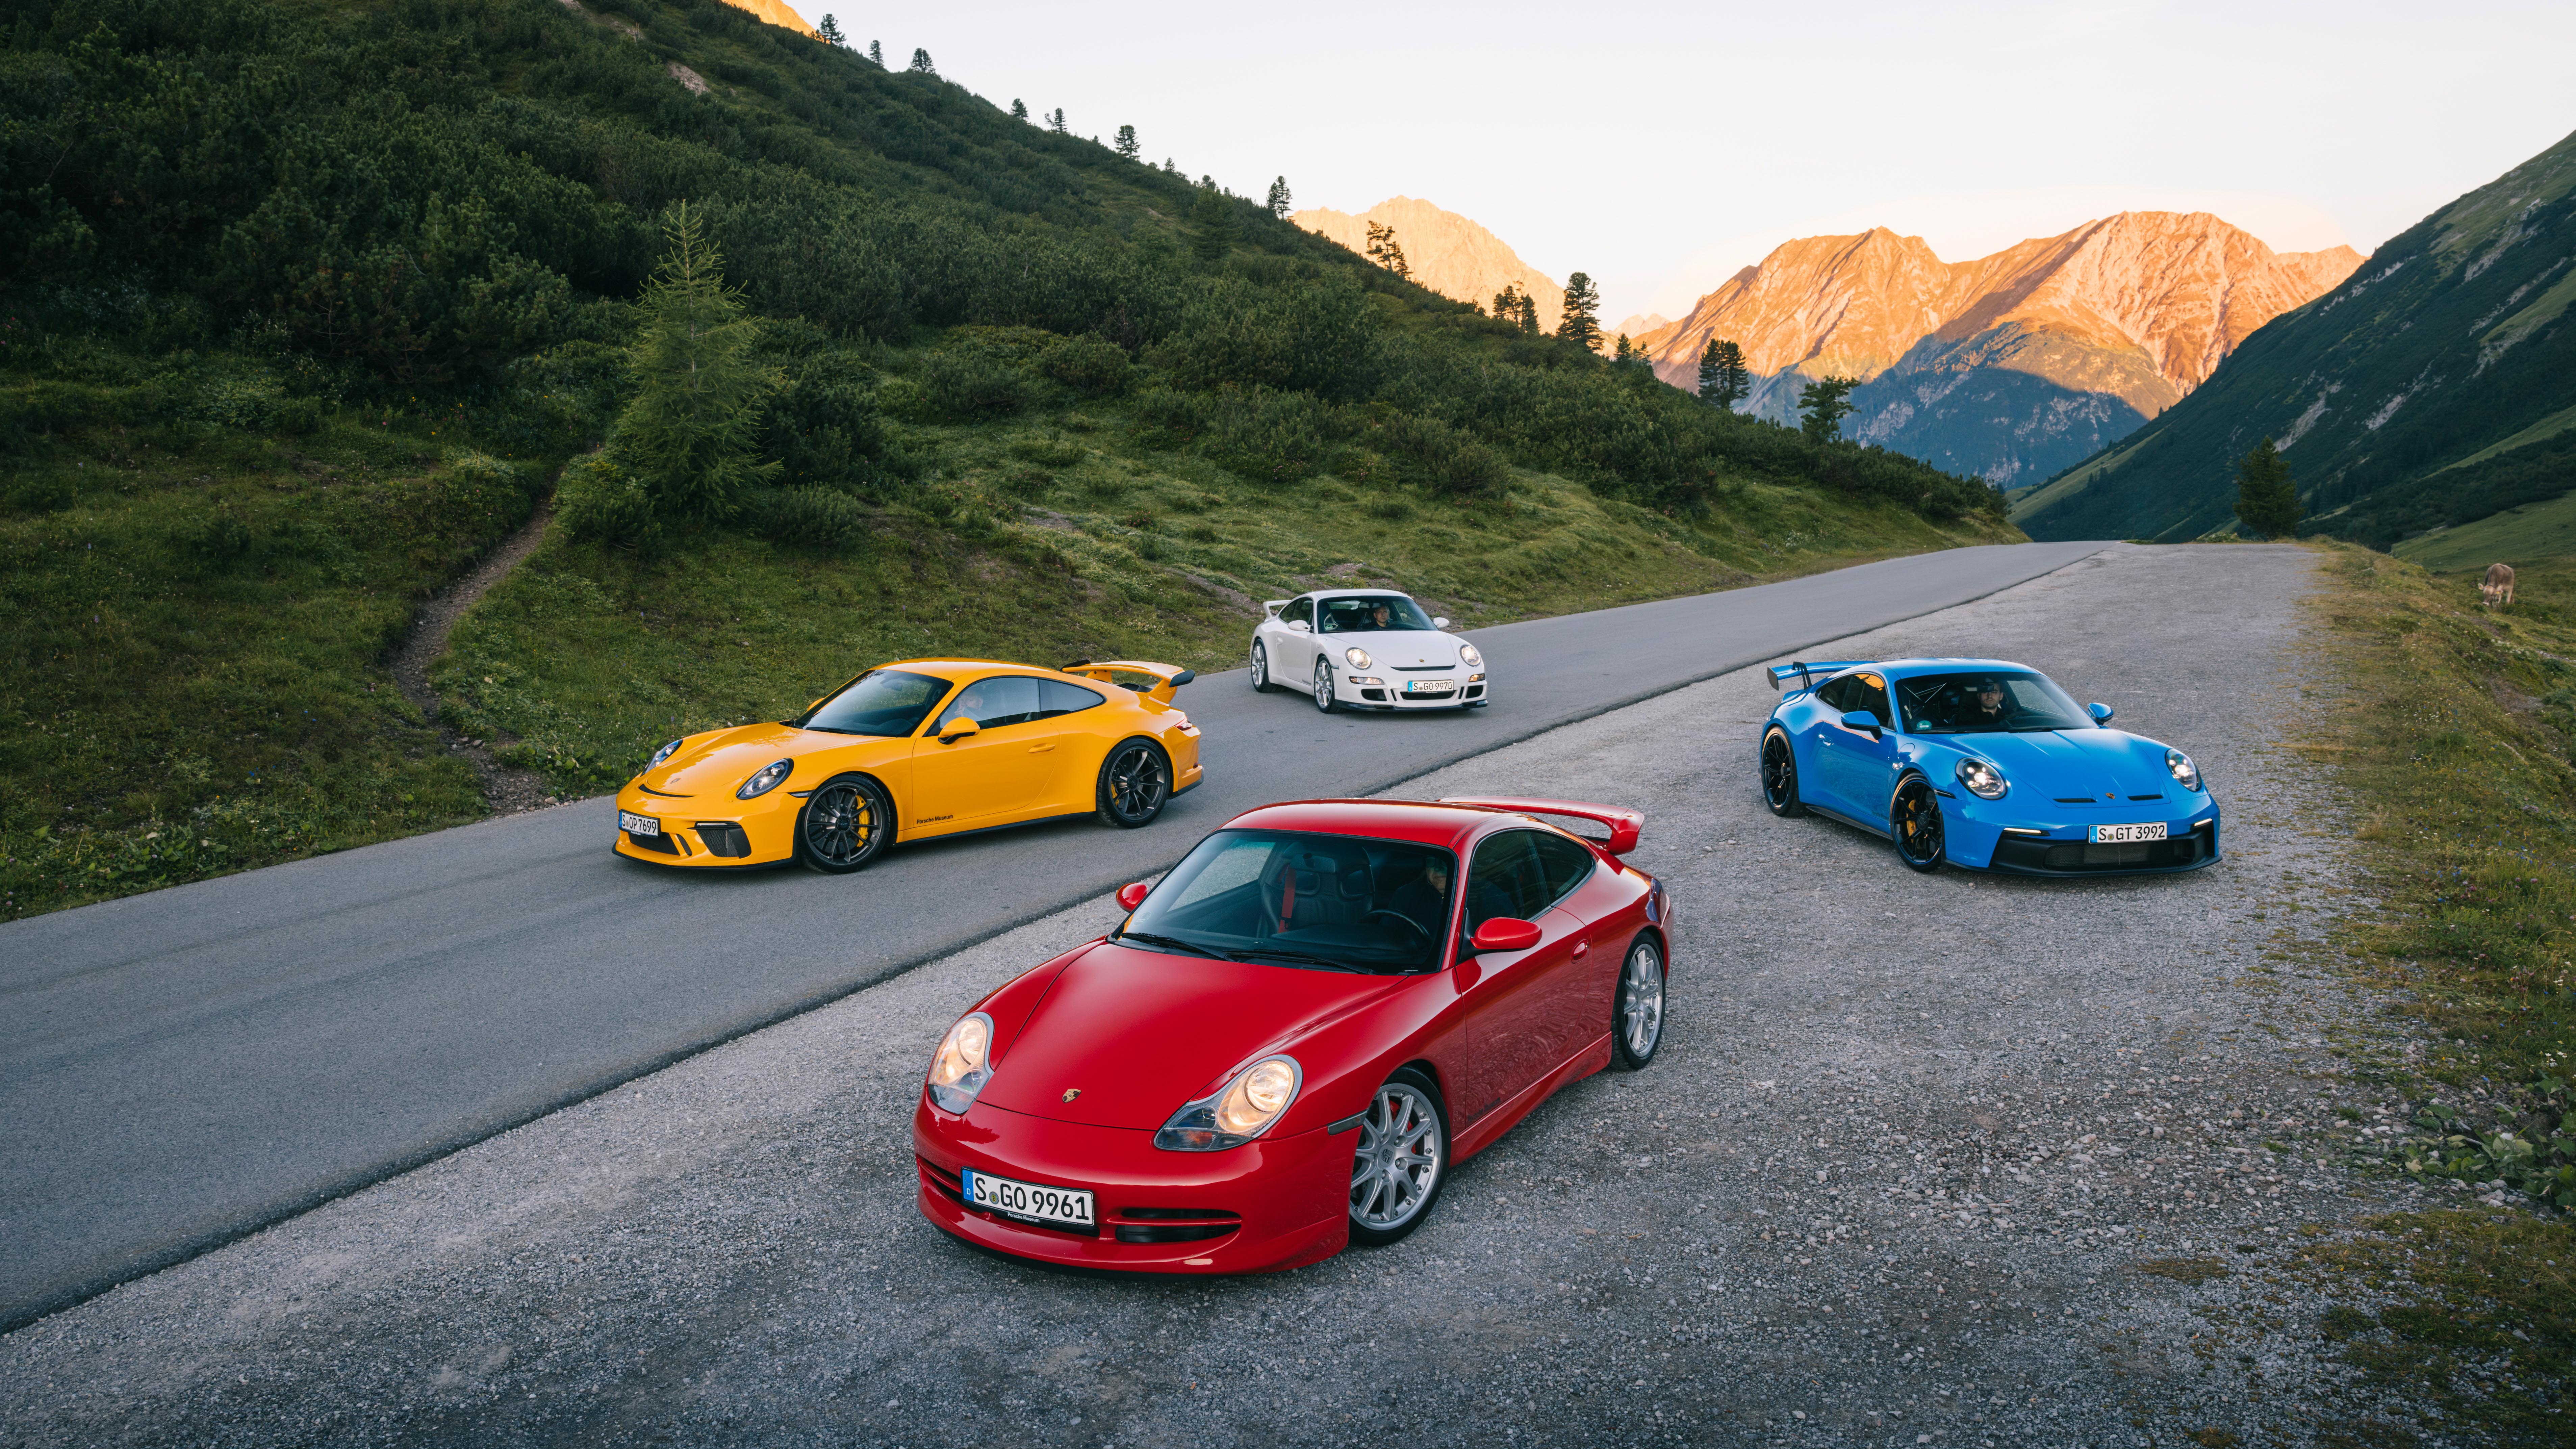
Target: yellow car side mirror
958,729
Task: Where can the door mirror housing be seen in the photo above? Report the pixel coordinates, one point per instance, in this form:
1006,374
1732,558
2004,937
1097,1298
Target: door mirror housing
1300,626
958,729
2101,712
1439,623
1503,933
1132,895
1864,721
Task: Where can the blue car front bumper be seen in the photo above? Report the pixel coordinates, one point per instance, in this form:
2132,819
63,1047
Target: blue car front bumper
1991,835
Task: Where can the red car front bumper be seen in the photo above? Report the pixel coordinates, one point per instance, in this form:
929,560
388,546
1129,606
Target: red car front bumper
1278,1202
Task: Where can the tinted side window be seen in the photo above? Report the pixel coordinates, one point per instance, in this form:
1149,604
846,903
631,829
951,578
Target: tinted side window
1056,697
1833,692
1301,610
1871,692
1506,880
1565,863
1005,699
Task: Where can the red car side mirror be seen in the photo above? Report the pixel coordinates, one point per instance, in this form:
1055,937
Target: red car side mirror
1132,895
1502,933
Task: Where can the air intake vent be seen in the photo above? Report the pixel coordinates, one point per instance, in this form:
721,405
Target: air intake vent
725,838
2147,797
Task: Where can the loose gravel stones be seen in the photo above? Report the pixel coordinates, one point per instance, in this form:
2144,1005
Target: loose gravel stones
1941,1159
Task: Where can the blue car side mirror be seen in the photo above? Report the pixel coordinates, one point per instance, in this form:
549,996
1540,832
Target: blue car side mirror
2101,713
1864,721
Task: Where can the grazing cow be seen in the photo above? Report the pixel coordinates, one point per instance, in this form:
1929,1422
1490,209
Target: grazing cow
2497,587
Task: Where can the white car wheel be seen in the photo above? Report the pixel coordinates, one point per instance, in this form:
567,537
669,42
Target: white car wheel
1324,685
1260,668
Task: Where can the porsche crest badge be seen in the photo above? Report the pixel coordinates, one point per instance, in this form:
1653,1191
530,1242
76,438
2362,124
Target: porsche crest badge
1072,1092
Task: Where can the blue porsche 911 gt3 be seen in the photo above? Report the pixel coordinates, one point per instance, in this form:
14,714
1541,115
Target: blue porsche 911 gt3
1984,764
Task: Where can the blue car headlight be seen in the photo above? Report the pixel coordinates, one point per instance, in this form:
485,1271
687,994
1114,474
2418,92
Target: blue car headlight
2185,773
764,780
1982,780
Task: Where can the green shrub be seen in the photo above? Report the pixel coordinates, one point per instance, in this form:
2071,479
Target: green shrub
1047,452
597,502
1092,366
48,492
813,518
965,385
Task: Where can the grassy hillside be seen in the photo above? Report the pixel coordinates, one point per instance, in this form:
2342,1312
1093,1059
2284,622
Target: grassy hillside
2429,390
312,303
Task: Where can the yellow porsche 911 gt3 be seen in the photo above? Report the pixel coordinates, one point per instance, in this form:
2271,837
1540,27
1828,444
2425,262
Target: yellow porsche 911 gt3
911,750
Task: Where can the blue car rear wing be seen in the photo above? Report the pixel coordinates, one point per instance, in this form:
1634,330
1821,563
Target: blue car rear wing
1807,671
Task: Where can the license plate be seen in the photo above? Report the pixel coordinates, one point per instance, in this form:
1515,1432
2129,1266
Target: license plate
2127,834
1070,1206
634,824
1430,686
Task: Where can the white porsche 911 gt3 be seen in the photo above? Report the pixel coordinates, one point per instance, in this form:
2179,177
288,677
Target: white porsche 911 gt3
1365,649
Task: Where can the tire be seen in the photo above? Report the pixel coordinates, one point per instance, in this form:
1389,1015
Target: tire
847,823
1135,784
1914,823
1780,775
1401,1160
1261,669
1324,700
1637,1010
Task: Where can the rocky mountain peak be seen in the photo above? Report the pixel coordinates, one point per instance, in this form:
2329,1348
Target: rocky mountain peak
1448,253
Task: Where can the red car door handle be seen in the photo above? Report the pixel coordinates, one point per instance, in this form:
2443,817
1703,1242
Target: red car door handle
1582,949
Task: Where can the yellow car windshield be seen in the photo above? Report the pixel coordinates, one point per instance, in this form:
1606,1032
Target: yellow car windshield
888,702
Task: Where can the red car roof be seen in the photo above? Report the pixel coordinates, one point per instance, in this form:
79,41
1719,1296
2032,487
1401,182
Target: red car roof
1414,820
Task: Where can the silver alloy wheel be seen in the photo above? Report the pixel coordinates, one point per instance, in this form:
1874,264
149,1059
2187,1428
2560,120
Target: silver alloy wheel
1324,685
1397,1163
1260,666
1642,1014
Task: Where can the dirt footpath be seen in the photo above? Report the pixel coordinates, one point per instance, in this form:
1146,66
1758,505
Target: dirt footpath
1925,1160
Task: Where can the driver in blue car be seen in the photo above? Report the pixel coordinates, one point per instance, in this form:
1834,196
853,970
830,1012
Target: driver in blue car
1985,704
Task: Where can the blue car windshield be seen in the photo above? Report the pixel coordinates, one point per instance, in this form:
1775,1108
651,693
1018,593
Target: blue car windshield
887,702
1988,701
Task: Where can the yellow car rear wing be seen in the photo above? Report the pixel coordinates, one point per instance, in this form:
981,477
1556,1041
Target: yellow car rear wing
1167,677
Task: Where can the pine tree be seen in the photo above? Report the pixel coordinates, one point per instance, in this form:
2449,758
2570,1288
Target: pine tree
1529,314
688,437
1211,225
829,32
1278,198
1383,250
877,54
1169,168
1055,122
921,62
1127,142
1623,352
2267,502
1823,406
1507,302
1019,109
1582,323
1722,379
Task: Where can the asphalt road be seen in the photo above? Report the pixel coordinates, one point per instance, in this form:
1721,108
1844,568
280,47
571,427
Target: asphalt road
181,1068
1925,1159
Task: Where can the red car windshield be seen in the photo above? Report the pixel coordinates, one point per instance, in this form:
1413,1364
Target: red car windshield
1329,902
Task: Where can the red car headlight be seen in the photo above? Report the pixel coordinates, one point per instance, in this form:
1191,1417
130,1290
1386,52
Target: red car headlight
1236,1113
963,1063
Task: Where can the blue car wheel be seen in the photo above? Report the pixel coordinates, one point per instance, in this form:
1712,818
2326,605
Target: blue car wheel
1914,823
1780,775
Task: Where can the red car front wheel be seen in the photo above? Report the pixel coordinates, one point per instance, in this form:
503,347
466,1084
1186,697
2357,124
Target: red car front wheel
1401,1161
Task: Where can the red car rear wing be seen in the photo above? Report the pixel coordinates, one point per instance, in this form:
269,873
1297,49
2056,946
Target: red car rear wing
1624,825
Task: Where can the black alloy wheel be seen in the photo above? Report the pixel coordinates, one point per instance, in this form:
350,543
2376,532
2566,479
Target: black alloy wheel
1401,1160
1780,775
846,824
1637,1015
1135,784
1914,822
1260,669
1324,686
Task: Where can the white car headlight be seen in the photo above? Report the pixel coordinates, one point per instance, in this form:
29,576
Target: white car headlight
963,1064
1359,658
2185,773
1982,780
764,779
1468,656
1240,1111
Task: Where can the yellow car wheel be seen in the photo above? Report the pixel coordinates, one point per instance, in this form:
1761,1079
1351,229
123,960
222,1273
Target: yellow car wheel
846,824
1135,782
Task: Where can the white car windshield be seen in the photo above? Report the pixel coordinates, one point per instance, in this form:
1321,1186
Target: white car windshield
1326,902
1371,615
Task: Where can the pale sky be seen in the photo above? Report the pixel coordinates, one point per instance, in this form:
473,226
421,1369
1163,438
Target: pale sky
1660,147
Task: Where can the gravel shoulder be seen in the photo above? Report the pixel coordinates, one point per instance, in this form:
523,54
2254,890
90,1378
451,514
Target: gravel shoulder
1925,1159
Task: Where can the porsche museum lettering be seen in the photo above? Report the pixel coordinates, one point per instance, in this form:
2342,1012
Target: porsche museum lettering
933,819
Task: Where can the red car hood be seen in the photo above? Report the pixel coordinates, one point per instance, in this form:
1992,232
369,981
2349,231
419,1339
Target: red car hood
1140,1032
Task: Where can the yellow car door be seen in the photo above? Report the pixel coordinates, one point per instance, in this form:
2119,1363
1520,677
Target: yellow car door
990,775
1069,743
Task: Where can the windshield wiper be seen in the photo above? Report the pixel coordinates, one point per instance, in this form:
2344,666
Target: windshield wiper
1175,943
1285,954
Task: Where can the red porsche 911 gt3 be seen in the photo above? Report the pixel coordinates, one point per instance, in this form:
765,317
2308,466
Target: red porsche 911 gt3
1295,1035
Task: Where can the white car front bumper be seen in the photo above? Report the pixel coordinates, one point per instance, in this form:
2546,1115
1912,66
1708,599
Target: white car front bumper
1450,687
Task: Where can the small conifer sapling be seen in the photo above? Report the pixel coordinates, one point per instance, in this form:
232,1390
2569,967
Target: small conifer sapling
1582,322
2267,502
1127,142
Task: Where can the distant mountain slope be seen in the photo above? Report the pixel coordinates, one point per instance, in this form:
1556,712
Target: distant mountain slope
776,13
2013,365
1448,253
2432,388
1639,325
